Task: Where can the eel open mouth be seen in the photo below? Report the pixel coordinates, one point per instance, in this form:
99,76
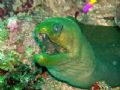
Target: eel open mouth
50,46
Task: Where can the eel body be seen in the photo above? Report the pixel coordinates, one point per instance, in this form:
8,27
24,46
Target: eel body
92,53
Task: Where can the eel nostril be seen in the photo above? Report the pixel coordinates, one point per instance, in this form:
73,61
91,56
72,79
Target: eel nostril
40,37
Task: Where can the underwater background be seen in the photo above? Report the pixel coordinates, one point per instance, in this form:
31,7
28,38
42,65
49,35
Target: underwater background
18,19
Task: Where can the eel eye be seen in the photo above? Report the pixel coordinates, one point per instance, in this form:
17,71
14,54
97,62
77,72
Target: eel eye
57,27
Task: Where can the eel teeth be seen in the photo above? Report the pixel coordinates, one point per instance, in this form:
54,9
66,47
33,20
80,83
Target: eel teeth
43,37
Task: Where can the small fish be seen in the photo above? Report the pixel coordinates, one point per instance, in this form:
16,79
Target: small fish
88,6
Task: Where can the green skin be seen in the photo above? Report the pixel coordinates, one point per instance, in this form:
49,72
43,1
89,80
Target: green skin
87,59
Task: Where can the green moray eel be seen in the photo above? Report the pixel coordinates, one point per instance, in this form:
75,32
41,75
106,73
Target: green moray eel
91,53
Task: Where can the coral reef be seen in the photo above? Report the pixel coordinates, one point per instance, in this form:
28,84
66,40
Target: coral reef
3,33
18,19
12,23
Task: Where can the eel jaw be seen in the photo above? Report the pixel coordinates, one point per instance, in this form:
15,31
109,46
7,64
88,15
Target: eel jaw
50,46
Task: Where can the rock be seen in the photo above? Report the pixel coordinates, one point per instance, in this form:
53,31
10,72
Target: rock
117,16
